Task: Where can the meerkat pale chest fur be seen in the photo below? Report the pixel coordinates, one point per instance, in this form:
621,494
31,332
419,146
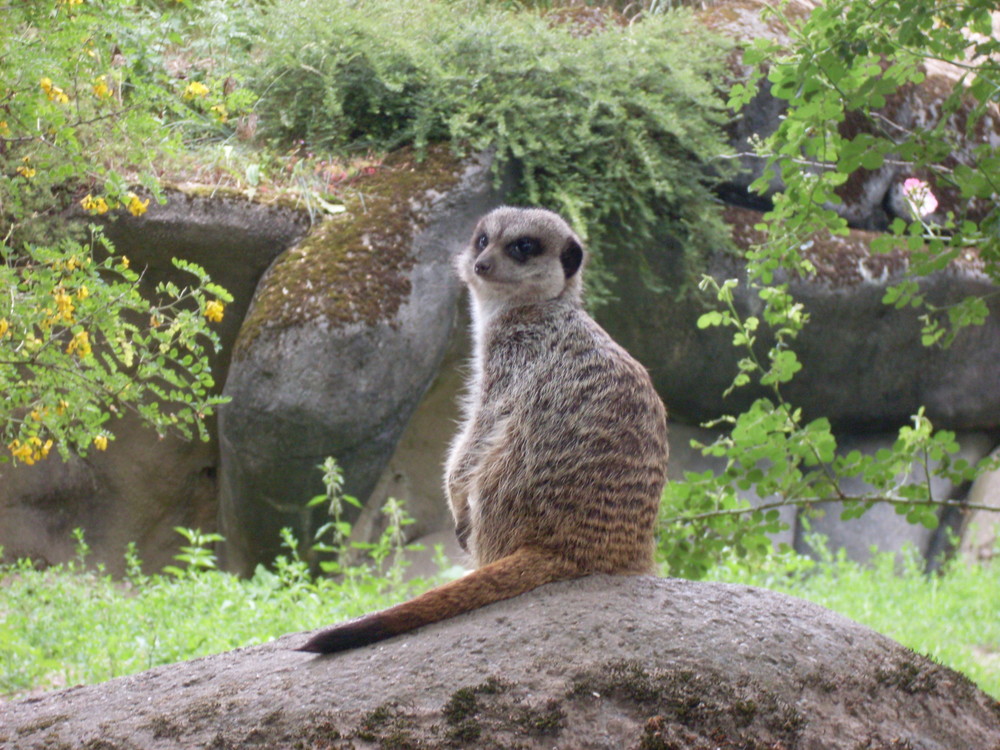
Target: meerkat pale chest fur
558,467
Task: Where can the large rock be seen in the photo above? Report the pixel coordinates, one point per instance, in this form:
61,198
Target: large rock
138,491
345,334
863,365
602,662
980,527
415,471
143,486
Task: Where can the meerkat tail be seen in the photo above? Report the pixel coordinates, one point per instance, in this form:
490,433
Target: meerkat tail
509,576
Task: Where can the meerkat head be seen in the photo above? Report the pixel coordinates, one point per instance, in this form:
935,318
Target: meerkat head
521,256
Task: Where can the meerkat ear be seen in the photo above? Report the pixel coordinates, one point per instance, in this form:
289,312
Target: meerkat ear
571,258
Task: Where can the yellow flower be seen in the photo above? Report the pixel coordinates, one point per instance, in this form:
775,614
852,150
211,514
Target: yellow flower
26,170
213,311
137,207
31,450
195,89
94,205
124,262
82,293
80,344
101,442
49,320
53,92
154,322
62,406
72,264
21,452
221,114
4,128
101,88
4,327
65,304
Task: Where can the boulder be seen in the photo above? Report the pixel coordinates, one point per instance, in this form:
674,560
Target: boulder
601,662
980,529
863,365
345,334
143,486
139,490
415,471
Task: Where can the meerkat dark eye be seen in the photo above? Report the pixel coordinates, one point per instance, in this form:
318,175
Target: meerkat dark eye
571,258
482,241
523,248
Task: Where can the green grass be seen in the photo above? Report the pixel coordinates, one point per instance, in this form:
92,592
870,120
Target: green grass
68,625
953,616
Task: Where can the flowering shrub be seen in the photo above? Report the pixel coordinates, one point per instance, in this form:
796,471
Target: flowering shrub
81,110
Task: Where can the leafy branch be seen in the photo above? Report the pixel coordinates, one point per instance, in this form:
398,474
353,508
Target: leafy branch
847,57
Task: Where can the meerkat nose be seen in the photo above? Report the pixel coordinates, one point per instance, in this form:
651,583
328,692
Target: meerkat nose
482,267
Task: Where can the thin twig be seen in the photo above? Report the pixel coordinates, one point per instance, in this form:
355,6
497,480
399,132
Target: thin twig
811,501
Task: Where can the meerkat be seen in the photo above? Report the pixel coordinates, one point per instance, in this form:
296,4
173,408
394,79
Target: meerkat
561,459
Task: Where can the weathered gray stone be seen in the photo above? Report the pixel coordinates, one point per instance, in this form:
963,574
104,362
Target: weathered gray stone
415,471
863,365
615,663
138,491
345,334
980,529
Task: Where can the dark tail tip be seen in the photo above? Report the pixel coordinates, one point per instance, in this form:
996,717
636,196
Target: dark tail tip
368,629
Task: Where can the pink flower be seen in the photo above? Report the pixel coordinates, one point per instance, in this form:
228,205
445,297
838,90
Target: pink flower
919,197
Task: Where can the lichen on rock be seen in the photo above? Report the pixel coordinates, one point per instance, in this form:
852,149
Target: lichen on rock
353,267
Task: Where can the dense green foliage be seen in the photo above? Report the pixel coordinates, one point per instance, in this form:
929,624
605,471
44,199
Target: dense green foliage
614,125
845,62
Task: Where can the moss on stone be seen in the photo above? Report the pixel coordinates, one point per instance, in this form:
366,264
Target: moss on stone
388,726
544,720
354,267
688,706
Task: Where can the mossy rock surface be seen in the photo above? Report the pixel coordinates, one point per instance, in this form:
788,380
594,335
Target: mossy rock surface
353,267
344,335
603,662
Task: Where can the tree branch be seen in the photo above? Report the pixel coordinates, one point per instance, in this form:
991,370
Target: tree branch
811,501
